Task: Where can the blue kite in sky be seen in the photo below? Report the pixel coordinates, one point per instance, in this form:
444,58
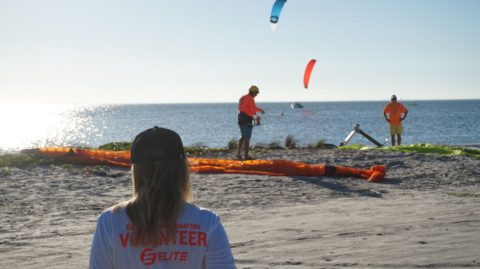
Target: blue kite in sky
276,10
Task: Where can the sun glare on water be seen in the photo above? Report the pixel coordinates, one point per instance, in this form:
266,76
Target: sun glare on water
27,126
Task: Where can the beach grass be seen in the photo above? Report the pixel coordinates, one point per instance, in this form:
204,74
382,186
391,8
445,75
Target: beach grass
438,149
321,144
28,158
197,149
116,146
422,148
22,160
353,147
290,142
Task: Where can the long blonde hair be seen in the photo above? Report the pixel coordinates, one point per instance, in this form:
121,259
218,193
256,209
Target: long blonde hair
160,190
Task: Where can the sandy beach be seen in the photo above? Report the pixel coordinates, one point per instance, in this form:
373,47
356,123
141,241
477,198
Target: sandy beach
424,215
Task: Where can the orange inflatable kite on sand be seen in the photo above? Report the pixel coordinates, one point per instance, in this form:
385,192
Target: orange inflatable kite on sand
203,165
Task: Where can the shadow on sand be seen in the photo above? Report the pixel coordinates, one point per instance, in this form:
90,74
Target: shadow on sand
343,187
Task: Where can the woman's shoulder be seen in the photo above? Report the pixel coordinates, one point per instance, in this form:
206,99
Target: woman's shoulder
199,209
201,213
113,211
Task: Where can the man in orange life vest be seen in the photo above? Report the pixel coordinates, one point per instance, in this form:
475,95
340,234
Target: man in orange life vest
246,110
396,112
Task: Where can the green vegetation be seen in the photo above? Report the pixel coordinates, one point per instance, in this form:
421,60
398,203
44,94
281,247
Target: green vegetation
272,145
438,149
353,147
321,145
116,146
290,142
422,148
29,158
232,144
22,160
197,149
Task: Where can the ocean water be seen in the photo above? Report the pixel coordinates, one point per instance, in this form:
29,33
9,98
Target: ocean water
455,122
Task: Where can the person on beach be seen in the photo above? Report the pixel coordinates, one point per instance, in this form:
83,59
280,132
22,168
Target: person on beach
158,227
246,110
394,113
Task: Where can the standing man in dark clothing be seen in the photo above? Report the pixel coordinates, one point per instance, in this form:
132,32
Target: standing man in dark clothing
246,110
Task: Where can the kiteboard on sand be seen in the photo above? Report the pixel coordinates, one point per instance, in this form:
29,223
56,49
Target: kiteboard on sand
357,129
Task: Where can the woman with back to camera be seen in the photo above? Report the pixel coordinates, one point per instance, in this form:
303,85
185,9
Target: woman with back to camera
158,227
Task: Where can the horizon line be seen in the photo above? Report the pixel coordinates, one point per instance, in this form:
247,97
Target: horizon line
229,102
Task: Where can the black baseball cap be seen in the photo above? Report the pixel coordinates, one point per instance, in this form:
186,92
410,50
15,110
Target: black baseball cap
157,144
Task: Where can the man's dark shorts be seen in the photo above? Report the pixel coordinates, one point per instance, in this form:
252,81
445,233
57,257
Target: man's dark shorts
246,131
246,126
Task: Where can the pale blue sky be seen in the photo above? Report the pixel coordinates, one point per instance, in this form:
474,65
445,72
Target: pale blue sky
179,51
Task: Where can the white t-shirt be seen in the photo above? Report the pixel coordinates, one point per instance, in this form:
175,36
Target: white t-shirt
200,242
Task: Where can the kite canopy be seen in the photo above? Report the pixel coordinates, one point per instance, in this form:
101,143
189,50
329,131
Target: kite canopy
202,165
276,10
308,72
